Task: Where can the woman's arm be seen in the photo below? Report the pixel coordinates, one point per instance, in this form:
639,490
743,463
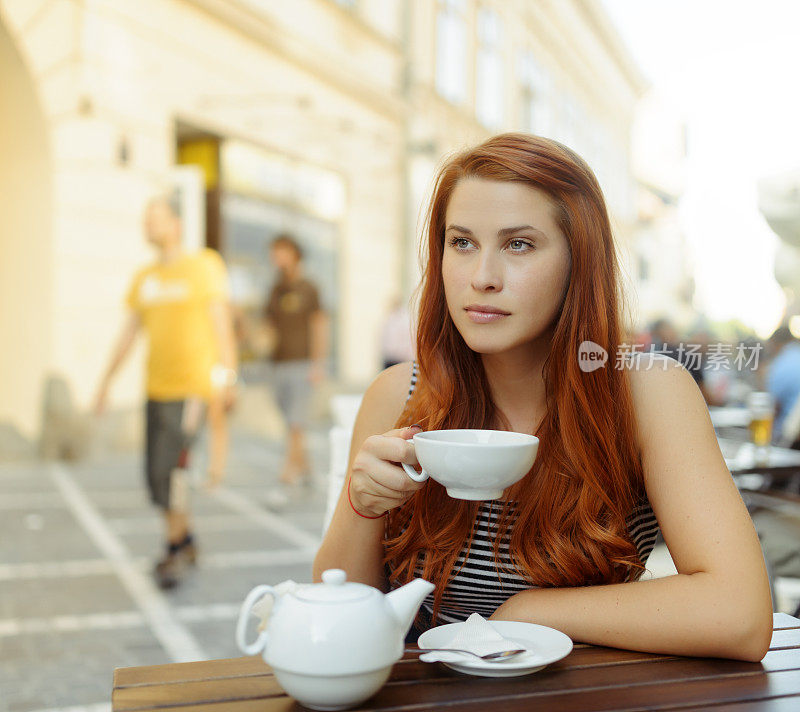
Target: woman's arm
352,542
718,605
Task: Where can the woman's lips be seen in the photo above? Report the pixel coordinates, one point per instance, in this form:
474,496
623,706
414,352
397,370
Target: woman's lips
483,315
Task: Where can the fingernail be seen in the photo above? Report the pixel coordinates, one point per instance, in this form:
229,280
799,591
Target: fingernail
416,425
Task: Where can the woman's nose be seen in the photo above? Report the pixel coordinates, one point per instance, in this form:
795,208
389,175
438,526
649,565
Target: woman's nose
487,275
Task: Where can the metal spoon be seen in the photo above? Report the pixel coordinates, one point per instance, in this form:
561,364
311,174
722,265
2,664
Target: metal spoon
502,655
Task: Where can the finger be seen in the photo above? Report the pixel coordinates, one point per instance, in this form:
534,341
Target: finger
406,433
388,474
374,476
380,489
403,483
391,448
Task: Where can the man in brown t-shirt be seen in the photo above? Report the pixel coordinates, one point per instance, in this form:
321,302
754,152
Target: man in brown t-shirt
300,327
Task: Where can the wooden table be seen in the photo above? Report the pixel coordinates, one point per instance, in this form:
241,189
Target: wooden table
589,678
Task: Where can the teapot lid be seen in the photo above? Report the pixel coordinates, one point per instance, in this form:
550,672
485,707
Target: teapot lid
335,588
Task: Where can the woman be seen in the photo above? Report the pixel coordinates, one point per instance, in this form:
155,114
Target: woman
521,271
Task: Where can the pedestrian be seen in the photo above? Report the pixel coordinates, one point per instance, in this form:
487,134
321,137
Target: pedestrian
521,270
180,301
299,324
783,381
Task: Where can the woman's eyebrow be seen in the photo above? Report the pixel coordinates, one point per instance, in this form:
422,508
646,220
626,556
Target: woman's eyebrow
501,233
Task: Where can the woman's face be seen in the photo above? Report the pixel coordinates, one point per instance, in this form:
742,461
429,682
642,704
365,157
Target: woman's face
506,264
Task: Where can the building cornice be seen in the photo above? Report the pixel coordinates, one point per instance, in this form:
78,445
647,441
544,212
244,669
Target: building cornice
237,15
607,33
549,24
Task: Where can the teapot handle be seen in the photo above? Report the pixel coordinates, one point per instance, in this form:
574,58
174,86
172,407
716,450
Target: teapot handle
244,615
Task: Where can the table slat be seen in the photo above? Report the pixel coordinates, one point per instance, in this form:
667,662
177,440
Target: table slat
718,691
777,704
205,691
271,704
785,638
784,620
181,672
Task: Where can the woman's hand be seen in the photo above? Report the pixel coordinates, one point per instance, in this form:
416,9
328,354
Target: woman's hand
377,483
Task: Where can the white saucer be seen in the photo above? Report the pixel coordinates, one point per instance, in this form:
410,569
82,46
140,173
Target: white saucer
543,646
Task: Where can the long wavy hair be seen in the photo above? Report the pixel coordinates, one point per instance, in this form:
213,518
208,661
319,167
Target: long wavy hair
571,508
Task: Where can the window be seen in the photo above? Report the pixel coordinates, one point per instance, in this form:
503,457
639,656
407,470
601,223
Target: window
451,51
570,124
535,95
489,94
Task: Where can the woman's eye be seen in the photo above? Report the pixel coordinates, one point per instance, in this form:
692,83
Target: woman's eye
518,245
460,243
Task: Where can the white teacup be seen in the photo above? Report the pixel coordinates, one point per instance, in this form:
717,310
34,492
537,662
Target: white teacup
473,464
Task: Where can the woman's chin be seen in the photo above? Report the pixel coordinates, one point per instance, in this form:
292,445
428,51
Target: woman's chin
487,346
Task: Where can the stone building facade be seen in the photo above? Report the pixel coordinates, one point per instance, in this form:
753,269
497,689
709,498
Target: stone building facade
318,116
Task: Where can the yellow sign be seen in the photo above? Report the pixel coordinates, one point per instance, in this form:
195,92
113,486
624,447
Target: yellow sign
203,153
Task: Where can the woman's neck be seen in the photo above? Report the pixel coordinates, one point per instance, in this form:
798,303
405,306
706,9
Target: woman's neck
517,387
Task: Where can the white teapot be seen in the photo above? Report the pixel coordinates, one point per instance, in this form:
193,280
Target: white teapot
332,645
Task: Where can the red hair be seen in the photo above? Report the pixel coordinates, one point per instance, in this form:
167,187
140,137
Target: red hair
572,506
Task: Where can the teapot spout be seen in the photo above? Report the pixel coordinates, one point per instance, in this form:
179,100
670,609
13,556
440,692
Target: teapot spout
404,602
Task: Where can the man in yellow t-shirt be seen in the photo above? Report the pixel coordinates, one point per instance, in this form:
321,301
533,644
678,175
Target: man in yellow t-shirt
181,303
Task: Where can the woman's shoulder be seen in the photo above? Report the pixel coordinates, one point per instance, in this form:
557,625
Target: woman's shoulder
647,369
395,378
386,396
663,391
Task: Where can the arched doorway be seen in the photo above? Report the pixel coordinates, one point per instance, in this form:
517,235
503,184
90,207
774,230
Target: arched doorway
26,249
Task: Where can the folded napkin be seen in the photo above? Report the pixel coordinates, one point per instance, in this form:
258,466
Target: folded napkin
477,635
263,607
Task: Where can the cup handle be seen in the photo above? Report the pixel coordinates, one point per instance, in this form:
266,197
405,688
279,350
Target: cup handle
244,616
413,474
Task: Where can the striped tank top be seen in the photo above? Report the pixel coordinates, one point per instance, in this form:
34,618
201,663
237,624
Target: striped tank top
480,585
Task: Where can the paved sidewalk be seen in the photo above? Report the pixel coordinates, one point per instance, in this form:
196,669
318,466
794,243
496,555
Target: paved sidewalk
77,544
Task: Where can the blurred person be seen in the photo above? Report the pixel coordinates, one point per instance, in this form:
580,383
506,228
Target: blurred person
783,377
640,339
664,333
397,340
220,404
664,337
666,340
715,375
300,351
752,378
180,301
